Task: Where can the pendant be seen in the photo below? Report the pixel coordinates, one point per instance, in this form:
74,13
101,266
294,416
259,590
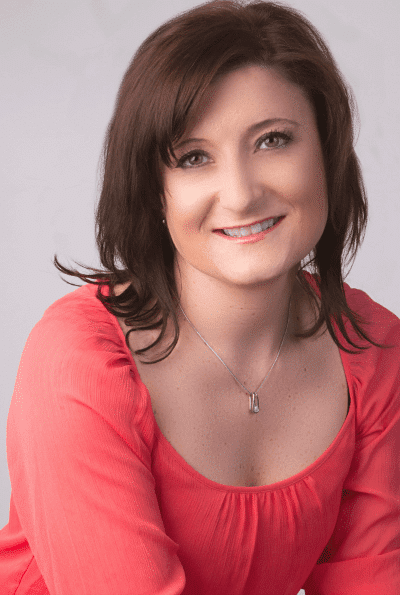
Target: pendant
253,403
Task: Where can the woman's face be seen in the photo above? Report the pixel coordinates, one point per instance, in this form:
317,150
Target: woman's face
252,154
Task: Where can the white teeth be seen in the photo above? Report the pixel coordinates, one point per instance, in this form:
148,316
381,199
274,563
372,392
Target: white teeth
269,223
246,231
256,228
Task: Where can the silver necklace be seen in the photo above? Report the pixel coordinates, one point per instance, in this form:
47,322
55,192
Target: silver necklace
253,396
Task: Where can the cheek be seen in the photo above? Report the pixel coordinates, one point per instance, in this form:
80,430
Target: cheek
304,184
183,217
186,204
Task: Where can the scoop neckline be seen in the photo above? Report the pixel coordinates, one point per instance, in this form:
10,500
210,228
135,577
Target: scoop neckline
283,483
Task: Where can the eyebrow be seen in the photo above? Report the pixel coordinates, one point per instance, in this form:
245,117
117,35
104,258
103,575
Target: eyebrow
251,130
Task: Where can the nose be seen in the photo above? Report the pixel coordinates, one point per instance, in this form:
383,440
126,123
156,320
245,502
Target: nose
240,188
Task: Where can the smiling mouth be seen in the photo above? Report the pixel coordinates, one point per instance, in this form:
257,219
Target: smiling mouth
252,229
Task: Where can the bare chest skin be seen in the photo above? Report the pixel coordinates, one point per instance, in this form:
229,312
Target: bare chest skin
204,414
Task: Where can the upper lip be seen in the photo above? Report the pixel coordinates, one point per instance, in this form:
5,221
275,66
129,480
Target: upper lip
250,224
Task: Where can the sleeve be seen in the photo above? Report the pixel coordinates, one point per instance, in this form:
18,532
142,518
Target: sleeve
80,468
362,556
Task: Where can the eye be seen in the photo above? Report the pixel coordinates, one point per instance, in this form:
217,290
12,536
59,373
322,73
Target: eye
276,139
189,161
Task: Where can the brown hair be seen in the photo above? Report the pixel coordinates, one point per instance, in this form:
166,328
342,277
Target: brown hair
159,93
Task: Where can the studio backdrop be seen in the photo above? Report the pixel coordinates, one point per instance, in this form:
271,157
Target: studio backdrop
62,63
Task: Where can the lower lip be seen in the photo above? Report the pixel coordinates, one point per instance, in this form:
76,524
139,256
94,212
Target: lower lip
255,237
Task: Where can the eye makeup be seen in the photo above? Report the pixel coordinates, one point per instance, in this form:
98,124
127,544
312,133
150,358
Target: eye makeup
286,136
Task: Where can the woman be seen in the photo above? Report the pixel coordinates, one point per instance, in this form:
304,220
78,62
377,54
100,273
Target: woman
211,418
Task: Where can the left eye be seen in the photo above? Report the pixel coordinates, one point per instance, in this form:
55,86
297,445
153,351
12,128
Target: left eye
275,140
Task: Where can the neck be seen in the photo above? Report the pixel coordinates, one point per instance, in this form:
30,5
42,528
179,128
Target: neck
243,325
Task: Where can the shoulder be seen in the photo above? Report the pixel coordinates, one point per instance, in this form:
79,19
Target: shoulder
77,352
382,325
77,321
375,371
379,322
76,385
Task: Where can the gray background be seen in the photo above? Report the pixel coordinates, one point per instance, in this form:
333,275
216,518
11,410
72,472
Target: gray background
62,63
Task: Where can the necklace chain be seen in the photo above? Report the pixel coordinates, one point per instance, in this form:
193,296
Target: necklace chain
253,396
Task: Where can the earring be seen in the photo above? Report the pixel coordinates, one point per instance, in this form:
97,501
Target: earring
163,221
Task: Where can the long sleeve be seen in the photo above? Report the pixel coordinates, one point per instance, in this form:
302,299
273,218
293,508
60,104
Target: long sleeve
80,464
362,556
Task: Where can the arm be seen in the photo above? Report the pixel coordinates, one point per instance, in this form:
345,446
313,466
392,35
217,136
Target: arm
80,468
362,556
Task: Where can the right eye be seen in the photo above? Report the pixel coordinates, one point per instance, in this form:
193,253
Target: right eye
188,161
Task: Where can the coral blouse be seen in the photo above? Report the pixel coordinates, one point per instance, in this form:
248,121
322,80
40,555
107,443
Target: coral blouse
102,504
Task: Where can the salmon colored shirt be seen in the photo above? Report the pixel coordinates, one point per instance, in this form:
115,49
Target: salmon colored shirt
102,504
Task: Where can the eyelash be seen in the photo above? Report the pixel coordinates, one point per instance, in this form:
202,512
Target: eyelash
285,135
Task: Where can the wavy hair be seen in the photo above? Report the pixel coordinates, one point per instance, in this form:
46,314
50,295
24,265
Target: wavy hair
160,91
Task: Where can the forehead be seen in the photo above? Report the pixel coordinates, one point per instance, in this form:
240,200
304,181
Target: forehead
247,95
